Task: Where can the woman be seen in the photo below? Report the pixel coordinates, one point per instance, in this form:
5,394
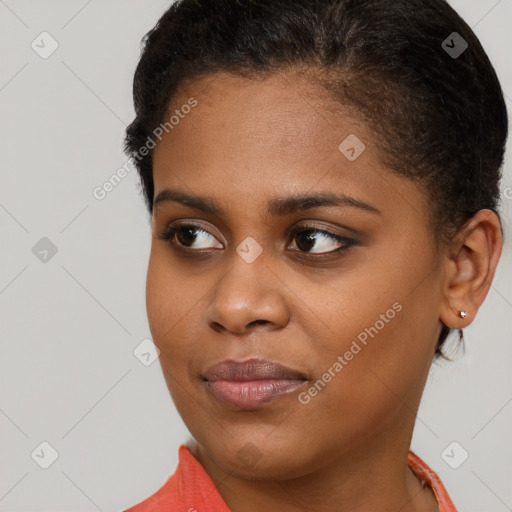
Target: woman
323,180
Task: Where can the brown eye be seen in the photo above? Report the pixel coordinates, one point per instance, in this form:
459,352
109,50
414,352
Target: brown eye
322,241
186,235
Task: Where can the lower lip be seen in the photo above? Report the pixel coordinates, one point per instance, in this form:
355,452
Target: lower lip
253,393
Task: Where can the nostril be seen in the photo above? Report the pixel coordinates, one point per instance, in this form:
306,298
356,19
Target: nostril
259,322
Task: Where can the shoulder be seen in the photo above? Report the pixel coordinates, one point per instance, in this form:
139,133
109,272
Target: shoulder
167,495
188,489
430,477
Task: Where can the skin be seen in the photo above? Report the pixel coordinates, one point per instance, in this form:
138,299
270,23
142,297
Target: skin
245,143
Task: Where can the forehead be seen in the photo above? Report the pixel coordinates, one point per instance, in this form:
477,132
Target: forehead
278,112
281,120
264,137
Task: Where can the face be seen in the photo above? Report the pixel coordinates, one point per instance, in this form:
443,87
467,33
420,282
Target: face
341,289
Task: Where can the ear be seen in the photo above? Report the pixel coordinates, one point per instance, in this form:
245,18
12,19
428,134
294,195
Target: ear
470,267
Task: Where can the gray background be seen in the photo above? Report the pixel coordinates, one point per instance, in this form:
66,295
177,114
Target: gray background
69,326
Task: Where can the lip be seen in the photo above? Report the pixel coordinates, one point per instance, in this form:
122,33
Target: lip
252,383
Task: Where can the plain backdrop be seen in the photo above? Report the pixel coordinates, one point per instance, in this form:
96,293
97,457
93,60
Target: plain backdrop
73,269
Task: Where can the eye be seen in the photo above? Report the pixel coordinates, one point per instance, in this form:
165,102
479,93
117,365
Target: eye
310,240
186,235
320,240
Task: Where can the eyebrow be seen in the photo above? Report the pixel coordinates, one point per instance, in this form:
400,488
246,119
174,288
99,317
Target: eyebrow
279,206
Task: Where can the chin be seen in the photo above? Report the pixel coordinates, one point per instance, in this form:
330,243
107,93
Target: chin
251,458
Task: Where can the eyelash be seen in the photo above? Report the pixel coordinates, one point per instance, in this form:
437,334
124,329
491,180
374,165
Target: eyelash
168,235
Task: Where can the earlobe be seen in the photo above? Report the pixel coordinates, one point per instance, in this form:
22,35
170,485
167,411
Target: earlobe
470,269
458,308
455,318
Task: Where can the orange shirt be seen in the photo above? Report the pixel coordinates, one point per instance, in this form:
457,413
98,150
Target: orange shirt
190,489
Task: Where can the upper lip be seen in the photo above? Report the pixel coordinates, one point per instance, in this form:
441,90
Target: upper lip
251,369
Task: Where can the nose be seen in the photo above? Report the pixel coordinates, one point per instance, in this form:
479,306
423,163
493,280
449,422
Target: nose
250,296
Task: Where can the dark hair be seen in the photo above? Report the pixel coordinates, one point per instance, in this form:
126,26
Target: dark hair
439,118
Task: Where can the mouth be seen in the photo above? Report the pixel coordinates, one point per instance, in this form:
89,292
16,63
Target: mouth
251,384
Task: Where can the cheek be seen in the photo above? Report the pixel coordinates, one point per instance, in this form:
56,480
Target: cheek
382,323
167,305
174,301
159,303
353,398
168,296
